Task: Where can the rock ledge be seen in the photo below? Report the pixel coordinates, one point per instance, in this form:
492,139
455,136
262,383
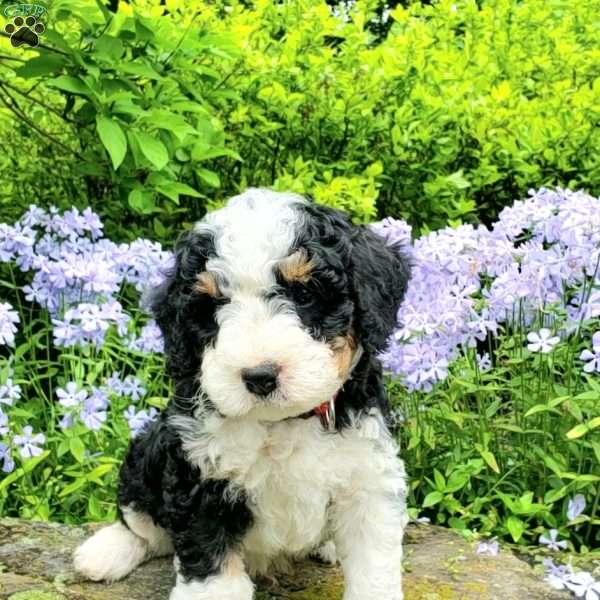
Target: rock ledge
35,564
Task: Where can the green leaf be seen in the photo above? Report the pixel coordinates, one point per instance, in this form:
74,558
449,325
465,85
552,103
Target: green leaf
432,498
152,149
99,472
73,85
95,508
515,527
209,177
489,458
440,482
456,481
139,69
113,138
109,48
577,431
596,448
77,449
14,476
72,487
142,201
174,123
41,65
30,464
173,189
554,495
203,151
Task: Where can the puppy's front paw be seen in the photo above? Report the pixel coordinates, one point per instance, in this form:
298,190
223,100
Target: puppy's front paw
110,554
216,587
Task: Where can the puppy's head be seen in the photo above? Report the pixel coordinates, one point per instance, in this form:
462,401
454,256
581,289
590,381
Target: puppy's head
272,301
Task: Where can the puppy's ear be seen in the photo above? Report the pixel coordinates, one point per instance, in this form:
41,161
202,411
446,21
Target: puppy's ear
172,306
380,275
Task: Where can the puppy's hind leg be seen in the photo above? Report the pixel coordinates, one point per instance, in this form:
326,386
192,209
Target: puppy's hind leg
116,550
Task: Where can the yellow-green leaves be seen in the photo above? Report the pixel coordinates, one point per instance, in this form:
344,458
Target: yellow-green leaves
583,428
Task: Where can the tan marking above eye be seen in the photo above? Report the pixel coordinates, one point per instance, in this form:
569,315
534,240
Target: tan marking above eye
296,267
206,283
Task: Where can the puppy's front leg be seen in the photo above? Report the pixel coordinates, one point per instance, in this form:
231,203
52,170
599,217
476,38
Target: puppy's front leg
206,524
369,525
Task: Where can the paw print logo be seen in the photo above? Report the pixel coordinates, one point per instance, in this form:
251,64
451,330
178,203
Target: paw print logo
25,31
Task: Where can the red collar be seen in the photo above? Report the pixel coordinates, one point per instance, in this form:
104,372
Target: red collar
325,412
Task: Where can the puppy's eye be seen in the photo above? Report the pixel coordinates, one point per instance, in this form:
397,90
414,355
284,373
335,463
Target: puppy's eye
302,295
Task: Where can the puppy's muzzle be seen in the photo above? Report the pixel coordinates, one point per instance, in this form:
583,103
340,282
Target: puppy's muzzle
261,380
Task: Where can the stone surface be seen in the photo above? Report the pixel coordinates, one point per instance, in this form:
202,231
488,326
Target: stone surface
35,564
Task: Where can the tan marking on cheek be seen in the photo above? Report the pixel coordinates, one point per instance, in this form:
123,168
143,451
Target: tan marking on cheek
206,283
344,348
296,267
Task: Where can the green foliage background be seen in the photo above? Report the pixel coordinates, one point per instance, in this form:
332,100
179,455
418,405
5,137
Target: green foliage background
153,113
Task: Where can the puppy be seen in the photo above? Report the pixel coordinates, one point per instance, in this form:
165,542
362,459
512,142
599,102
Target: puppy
275,443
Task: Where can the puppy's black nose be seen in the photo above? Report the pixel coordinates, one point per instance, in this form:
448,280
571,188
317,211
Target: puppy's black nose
261,380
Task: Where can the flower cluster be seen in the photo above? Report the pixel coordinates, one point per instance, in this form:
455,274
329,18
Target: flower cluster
91,407
468,282
562,577
77,274
79,278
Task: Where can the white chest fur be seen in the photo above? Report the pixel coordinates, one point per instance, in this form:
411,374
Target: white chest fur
291,472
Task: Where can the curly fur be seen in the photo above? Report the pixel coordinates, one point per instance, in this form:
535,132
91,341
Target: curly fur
236,483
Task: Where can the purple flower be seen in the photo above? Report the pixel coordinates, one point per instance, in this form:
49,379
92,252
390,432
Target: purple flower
71,396
90,221
557,575
490,548
592,358
394,232
133,387
29,442
92,415
150,339
8,464
543,341
65,333
552,542
99,397
9,392
576,507
583,585
115,384
8,320
3,423
139,420
34,216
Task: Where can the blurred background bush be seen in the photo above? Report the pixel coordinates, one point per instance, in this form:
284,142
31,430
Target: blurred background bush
151,112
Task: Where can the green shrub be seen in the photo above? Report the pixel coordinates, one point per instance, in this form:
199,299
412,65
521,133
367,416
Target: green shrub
165,110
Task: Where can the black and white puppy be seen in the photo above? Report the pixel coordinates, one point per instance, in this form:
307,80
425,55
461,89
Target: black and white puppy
275,443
